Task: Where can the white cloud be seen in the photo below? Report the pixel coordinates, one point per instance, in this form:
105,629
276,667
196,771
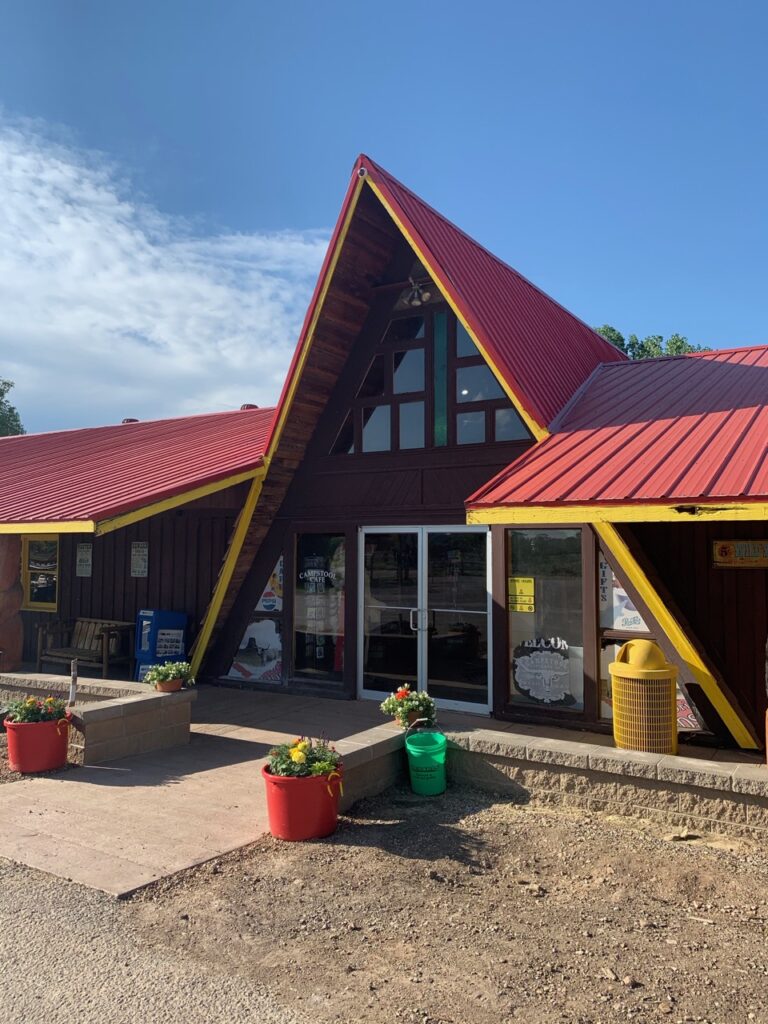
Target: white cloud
109,308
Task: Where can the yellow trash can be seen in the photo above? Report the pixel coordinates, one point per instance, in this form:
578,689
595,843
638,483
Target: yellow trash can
644,688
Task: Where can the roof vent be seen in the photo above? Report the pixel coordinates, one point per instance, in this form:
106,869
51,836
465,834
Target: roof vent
248,405
129,419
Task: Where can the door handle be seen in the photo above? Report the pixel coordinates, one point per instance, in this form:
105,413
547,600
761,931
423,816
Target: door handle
410,619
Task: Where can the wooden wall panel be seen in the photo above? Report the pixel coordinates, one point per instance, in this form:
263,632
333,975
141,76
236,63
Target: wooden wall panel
186,549
727,609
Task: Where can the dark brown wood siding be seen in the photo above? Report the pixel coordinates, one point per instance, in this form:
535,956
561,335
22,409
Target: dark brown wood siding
186,549
342,492
727,609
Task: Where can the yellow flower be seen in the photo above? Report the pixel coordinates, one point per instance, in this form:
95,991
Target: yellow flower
304,745
298,756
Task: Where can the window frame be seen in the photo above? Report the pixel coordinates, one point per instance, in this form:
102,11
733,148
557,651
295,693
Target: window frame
354,409
27,603
488,405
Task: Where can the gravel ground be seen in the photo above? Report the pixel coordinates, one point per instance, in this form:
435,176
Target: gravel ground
6,775
71,954
463,910
459,910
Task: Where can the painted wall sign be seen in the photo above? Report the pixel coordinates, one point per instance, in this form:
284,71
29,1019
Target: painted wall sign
84,560
139,559
740,554
521,594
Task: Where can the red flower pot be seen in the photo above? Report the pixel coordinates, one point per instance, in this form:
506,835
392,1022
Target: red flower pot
37,746
302,808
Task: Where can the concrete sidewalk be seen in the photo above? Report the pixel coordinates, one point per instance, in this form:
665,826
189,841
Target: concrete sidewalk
118,826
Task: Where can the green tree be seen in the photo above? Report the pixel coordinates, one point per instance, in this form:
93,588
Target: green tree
650,347
10,421
615,337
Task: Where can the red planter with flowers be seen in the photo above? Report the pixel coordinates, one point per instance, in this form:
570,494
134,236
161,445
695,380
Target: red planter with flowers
38,733
37,746
302,807
304,783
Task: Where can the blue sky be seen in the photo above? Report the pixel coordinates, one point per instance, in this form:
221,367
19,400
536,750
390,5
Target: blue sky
175,169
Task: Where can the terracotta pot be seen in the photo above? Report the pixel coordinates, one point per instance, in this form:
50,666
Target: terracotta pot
302,808
169,685
37,746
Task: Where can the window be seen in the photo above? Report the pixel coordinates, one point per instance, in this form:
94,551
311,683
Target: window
619,621
318,609
427,386
544,605
40,572
260,655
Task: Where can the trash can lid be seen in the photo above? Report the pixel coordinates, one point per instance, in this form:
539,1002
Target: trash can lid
644,658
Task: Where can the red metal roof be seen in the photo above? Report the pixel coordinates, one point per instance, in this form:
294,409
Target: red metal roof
670,431
543,352
101,472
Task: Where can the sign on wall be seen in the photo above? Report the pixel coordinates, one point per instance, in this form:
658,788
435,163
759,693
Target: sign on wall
740,554
521,594
140,558
84,560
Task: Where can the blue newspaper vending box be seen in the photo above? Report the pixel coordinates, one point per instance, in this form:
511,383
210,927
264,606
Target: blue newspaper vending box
160,637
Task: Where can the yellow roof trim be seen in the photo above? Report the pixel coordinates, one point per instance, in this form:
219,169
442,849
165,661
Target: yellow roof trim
539,432
734,721
50,527
682,513
299,369
203,638
147,511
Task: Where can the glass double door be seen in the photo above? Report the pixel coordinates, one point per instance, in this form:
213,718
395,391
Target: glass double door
424,613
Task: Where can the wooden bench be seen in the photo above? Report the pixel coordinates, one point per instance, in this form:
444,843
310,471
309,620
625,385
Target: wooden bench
100,642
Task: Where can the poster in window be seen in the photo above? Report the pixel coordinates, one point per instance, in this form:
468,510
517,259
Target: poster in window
549,671
260,656
140,559
84,560
271,599
616,608
319,605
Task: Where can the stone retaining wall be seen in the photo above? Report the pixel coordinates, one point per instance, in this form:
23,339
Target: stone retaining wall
111,719
686,792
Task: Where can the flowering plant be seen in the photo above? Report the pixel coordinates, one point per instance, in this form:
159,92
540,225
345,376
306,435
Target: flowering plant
170,670
304,757
402,702
30,709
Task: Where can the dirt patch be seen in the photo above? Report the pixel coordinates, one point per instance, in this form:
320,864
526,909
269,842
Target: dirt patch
6,775
461,909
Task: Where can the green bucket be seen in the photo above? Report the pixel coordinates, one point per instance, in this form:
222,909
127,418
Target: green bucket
426,762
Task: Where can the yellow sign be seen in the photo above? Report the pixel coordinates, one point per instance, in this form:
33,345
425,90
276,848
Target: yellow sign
521,594
740,554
